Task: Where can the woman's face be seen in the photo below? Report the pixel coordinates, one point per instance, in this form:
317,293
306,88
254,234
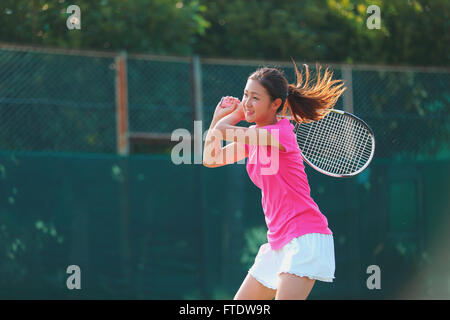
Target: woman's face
257,103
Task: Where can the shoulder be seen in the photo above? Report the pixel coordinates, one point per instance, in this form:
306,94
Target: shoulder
283,131
281,128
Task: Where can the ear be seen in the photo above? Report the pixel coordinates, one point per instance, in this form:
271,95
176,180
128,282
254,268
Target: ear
276,104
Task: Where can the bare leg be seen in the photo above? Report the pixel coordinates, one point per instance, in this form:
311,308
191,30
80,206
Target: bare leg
251,289
292,287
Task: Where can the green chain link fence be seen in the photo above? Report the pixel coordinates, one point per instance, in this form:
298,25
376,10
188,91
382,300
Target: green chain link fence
159,95
66,102
408,111
56,102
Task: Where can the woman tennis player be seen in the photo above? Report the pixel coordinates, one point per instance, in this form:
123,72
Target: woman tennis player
300,248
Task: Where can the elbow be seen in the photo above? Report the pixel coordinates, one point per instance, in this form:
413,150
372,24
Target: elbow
207,163
210,164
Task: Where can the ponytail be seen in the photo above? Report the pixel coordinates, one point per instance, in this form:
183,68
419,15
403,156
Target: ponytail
311,102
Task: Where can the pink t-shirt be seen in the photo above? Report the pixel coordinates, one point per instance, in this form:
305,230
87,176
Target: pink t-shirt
289,210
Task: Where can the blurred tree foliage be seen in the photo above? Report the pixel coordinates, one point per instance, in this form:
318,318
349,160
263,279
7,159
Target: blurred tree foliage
155,26
413,32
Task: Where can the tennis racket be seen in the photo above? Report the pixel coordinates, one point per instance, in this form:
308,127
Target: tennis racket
338,145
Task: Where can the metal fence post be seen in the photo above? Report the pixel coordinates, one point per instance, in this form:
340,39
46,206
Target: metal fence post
123,149
197,93
350,189
197,115
348,94
122,104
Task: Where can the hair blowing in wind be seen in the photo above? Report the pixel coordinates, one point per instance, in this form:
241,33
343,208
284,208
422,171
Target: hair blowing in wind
312,99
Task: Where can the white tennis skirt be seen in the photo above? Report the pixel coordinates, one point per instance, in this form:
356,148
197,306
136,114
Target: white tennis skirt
310,255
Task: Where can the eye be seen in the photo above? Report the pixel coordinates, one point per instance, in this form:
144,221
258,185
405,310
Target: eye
255,98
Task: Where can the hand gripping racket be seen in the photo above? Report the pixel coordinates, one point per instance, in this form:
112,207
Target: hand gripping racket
338,145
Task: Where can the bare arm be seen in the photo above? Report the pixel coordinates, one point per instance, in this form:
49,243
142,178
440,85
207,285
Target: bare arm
214,155
228,131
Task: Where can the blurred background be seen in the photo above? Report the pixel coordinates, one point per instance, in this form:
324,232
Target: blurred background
86,116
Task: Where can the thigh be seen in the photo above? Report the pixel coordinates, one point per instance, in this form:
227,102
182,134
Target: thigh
292,287
251,289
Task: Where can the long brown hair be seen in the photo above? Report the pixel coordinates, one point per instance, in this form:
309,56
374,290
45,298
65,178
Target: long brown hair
306,101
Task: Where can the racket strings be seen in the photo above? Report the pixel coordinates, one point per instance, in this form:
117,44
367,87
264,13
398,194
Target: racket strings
338,143
352,132
348,134
340,164
361,152
322,145
330,148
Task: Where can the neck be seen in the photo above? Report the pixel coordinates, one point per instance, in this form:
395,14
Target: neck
267,122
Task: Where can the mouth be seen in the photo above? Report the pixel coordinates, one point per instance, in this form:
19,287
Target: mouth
249,113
